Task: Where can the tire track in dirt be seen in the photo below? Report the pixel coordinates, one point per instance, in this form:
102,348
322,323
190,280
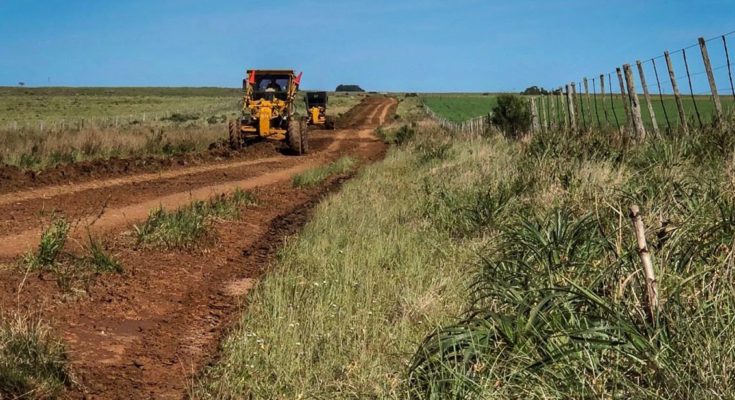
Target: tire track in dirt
58,190
146,333
117,203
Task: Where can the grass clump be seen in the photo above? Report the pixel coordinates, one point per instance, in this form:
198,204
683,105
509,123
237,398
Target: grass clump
73,273
184,227
316,176
53,240
101,259
33,364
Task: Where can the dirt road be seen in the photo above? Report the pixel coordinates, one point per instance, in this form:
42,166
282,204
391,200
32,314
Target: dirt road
146,333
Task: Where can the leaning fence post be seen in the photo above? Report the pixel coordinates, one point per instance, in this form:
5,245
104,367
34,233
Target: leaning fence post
635,105
652,303
624,97
602,95
712,85
589,101
647,96
677,95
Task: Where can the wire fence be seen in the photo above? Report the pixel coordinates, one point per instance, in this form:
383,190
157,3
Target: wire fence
474,126
691,87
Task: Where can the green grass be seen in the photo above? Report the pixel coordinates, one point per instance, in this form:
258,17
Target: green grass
341,313
460,107
187,226
33,363
316,176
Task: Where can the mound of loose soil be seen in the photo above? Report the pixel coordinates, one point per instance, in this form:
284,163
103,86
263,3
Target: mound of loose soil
13,178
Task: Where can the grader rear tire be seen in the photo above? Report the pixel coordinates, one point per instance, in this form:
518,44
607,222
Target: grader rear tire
235,139
294,135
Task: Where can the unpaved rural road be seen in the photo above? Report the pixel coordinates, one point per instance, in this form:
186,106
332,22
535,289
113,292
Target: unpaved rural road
146,333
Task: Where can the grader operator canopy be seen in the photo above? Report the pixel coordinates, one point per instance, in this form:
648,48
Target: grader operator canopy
282,83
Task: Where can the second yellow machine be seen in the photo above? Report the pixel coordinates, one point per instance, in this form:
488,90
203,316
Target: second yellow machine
268,111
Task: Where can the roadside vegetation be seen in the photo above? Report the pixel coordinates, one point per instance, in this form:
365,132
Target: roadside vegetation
188,226
316,176
496,268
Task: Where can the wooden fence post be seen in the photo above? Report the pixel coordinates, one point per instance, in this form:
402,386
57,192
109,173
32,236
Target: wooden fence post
677,96
577,113
570,110
564,107
712,84
652,303
635,106
589,100
535,126
647,96
602,95
544,114
552,111
624,97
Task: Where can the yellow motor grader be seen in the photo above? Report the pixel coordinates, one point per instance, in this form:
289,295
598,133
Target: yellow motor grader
268,111
316,109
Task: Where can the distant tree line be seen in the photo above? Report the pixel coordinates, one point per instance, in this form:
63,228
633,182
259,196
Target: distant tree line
349,88
535,91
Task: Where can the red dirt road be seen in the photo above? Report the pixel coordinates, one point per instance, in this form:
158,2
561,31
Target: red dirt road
146,333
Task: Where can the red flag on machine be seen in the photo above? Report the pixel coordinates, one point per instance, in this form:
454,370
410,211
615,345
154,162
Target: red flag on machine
297,81
251,79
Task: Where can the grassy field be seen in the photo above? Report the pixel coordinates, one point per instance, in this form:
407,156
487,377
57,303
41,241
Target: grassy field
485,268
45,127
460,107
53,105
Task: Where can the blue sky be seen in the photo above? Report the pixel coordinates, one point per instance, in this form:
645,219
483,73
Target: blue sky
410,45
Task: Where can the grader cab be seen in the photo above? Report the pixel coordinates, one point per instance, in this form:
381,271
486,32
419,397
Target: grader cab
316,109
268,111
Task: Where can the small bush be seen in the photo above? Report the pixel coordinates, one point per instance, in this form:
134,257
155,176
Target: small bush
512,115
396,136
33,364
318,175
